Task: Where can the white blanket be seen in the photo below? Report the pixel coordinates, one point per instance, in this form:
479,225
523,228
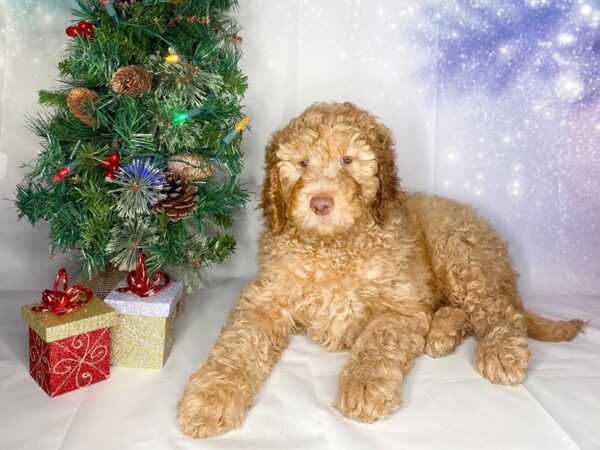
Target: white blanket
446,403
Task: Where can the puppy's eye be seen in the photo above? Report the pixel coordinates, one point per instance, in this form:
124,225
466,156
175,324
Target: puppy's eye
304,163
346,160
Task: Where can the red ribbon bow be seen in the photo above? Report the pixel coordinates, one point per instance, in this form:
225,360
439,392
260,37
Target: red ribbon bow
140,284
65,301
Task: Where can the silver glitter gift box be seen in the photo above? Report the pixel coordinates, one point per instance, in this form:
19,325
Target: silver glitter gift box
144,331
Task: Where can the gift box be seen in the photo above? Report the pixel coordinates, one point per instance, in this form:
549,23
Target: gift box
144,331
68,348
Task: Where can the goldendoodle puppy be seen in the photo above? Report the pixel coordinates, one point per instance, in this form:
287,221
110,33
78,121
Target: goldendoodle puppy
355,263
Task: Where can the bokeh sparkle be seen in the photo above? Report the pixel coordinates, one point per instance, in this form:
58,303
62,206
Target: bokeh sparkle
517,89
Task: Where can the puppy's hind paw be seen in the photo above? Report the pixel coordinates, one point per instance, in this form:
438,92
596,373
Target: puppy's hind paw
504,361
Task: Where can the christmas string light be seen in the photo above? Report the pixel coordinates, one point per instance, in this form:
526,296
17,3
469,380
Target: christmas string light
64,172
110,9
237,129
185,116
172,57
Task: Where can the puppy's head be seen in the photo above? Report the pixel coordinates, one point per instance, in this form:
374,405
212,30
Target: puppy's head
327,169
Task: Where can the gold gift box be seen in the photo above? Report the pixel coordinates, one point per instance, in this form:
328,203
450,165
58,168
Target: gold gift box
144,331
50,327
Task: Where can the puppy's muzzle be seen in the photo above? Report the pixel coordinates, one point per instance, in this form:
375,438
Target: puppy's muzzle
321,206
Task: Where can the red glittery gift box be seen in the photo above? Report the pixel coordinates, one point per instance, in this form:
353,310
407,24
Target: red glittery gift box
70,351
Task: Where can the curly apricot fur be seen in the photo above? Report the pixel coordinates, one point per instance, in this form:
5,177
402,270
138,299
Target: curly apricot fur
383,274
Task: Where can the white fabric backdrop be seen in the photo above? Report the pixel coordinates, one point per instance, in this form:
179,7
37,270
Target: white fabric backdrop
525,155
525,152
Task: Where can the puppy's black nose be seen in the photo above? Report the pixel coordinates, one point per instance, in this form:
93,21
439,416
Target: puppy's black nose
321,206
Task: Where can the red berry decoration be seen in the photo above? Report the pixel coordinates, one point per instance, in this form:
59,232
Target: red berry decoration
114,158
111,164
72,31
85,26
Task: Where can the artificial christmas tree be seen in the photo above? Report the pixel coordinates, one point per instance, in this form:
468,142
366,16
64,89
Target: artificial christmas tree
141,146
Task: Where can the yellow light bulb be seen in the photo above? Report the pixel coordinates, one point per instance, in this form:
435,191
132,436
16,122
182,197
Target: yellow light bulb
173,58
242,124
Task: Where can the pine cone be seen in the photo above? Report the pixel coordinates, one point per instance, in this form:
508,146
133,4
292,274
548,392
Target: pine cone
181,197
124,5
201,171
79,101
131,81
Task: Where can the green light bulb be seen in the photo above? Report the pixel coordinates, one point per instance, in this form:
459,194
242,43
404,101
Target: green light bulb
181,117
185,116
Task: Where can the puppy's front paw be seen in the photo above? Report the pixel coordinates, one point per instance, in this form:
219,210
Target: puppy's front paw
438,343
503,361
211,405
367,399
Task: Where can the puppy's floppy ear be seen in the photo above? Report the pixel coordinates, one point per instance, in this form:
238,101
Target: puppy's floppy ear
389,196
272,202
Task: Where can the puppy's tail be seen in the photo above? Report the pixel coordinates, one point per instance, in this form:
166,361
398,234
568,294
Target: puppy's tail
543,329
